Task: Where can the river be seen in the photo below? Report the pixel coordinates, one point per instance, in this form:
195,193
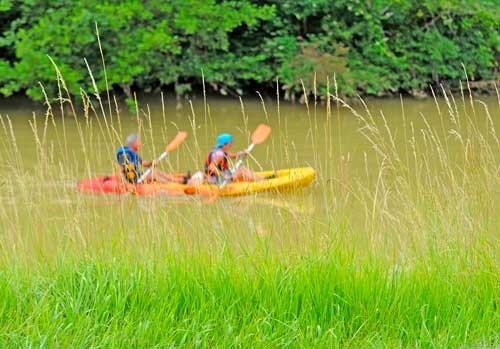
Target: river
351,158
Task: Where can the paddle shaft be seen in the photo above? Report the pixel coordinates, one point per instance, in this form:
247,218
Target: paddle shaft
149,170
174,144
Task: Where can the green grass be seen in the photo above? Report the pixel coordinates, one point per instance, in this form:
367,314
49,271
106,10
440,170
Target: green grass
324,301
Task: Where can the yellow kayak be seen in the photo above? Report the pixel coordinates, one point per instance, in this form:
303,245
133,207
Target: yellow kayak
285,180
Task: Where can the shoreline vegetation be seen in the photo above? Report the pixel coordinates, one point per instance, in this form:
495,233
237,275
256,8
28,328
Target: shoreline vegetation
373,48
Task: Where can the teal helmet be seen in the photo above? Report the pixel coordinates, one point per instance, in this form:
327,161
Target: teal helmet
223,138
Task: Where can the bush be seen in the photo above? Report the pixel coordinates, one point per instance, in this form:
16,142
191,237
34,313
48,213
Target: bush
372,47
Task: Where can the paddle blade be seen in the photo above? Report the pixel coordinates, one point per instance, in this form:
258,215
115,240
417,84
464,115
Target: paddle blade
208,195
179,138
212,197
261,133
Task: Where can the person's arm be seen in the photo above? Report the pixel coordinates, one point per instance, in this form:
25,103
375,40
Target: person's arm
146,163
236,155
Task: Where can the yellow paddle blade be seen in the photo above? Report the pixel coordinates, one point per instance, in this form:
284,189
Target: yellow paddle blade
261,133
179,138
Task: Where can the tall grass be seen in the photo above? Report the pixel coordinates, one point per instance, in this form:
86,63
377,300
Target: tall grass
403,253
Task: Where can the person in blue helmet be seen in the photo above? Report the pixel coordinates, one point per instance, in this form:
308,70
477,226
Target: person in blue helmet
217,163
130,163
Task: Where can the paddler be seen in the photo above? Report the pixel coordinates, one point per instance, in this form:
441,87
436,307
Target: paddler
217,163
130,163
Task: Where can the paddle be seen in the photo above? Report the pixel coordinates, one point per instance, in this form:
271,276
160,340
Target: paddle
174,144
258,137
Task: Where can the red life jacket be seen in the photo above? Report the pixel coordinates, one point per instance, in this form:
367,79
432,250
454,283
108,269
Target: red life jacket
222,166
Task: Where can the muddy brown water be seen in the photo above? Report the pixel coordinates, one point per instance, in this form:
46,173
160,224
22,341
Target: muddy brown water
328,138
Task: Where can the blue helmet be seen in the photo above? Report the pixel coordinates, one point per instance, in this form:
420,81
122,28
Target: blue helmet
223,138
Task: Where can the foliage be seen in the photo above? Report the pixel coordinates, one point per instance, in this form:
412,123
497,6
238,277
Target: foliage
372,47
145,44
390,49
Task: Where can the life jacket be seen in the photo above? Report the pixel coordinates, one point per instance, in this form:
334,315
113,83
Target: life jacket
129,161
223,166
